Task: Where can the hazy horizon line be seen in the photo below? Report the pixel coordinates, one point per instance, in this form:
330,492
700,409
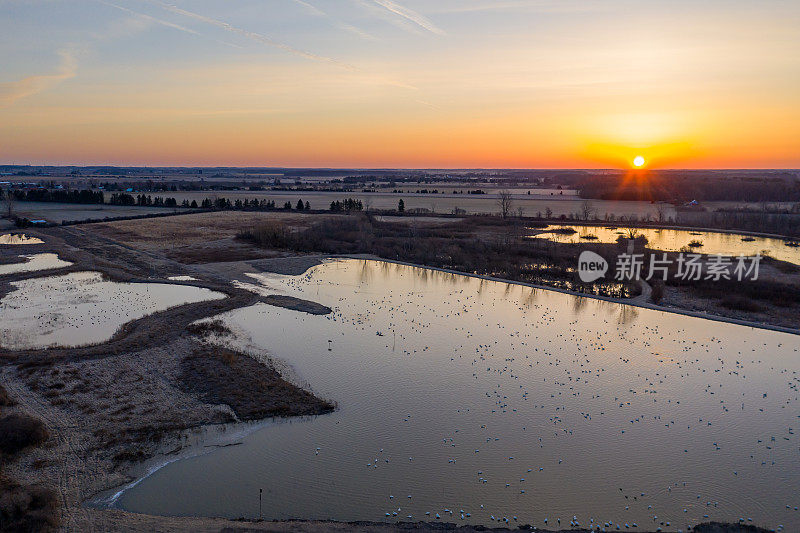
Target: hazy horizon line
290,167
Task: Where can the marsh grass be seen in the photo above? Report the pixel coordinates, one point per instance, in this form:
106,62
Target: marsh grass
251,389
208,328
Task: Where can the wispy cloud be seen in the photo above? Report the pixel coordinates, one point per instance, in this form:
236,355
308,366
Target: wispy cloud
11,92
411,15
253,36
314,10
112,32
150,18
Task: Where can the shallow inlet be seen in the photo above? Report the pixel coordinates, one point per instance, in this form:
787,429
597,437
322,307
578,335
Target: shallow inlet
504,401
33,263
81,308
19,238
672,240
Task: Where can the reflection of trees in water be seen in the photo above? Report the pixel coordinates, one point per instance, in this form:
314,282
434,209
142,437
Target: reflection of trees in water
627,314
389,272
621,313
528,297
482,284
386,268
579,304
365,272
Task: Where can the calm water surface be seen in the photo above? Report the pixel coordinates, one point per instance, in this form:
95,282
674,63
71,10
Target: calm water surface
497,401
670,240
31,263
82,308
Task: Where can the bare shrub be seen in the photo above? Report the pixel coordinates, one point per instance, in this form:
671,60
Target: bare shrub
5,399
212,327
18,432
657,293
738,303
26,508
270,234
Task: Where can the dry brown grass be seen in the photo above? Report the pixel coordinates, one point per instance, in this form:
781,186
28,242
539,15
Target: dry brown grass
251,389
195,229
211,327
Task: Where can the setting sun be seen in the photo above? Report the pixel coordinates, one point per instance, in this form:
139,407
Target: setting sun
638,161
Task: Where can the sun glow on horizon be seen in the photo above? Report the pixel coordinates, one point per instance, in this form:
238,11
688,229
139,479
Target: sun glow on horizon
638,161
136,83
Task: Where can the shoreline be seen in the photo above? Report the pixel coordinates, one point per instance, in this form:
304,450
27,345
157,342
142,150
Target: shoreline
631,302
196,449
744,233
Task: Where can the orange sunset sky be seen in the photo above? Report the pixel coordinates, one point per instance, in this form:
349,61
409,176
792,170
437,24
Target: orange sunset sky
406,83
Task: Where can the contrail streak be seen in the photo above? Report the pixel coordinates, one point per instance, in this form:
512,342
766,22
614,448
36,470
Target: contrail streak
257,37
339,24
410,14
149,17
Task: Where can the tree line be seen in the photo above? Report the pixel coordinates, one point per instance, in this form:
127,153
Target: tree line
88,196
683,188
55,195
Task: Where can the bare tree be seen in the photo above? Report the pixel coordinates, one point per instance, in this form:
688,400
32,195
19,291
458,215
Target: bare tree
548,213
661,212
9,197
505,202
586,209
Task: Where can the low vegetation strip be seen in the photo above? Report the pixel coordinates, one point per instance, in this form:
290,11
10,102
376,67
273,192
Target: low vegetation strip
297,304
251,389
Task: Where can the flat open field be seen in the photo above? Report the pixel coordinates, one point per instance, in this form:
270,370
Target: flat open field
568,204
57,212
199,237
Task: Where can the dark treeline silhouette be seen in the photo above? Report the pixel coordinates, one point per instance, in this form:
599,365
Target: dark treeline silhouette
670,187
142,200
350,204
57,195
218,203
781,222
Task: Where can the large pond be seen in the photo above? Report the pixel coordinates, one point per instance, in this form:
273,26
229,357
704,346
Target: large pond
480,401
671,240
82,308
